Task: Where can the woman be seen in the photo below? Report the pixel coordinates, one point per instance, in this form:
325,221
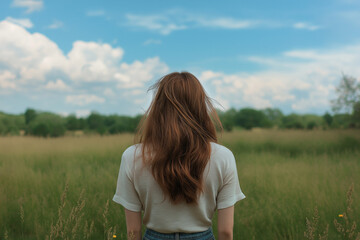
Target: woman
178,175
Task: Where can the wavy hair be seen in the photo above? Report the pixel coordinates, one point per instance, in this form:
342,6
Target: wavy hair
176,132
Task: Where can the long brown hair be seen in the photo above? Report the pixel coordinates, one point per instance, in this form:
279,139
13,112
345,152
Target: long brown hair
177,130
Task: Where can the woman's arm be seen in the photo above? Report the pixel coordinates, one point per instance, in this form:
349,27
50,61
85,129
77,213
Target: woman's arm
133,224
226,223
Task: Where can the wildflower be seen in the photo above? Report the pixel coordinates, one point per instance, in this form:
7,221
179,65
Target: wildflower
114,236
341,215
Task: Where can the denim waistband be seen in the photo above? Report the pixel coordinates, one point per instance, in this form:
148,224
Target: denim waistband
153,235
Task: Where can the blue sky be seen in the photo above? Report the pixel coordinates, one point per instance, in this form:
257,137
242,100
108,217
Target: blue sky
82,56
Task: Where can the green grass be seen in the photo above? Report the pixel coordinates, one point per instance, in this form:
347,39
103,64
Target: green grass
284,174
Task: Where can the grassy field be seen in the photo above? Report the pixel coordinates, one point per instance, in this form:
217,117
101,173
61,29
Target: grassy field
65,185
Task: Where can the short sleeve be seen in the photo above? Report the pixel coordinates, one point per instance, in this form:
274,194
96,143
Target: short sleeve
126,194
230,191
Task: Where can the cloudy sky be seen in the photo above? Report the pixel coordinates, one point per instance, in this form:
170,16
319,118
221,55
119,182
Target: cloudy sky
82,56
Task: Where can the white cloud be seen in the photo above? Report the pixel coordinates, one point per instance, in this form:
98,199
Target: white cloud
154,22
227,23
82,113
319,96
302,79
207,75
63,114
28,60
57,85
32,57
83,99
135,92
136,74
95,13
306,26
31,5
351,16
29,56
303,54
177,20
24,22
7,80
93,62
109,92
31,63
152,41
284,97
56,24
139,101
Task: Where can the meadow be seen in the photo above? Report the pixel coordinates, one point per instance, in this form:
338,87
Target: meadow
61,188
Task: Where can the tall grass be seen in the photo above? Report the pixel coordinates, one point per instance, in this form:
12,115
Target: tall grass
62,188
346,228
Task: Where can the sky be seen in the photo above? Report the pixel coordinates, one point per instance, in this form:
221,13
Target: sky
75,57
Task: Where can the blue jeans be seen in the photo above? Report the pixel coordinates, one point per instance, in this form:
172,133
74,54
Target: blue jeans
153,235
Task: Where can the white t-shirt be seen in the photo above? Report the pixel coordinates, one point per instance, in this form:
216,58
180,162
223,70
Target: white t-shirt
138,191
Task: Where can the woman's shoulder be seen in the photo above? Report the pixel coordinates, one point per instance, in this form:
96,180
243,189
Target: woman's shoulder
132,151
221,156
218,149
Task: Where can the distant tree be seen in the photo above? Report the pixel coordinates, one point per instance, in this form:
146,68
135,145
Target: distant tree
129,123
249,118
328,119
356,114
40,129
311,121
109,120
137,120
11,124
292,121
30,115
227,119
47,124
343,120
74,123
95,122
2,128
311,125
274,115
117,127
348,94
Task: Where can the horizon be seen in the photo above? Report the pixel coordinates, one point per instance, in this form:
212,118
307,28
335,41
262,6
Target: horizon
65,57
39,111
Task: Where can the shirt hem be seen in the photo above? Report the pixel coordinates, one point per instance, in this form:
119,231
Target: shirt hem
231,203
125,204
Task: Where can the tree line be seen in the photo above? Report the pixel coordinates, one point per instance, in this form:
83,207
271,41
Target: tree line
47,124
248,118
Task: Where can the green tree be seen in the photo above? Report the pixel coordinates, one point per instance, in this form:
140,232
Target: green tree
227,119
293,121
311,125
40,129
341,120
328,119
2,128
11,124
30,115
348,94
74,123
274,115
356,114
249,118
96,122
47,124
